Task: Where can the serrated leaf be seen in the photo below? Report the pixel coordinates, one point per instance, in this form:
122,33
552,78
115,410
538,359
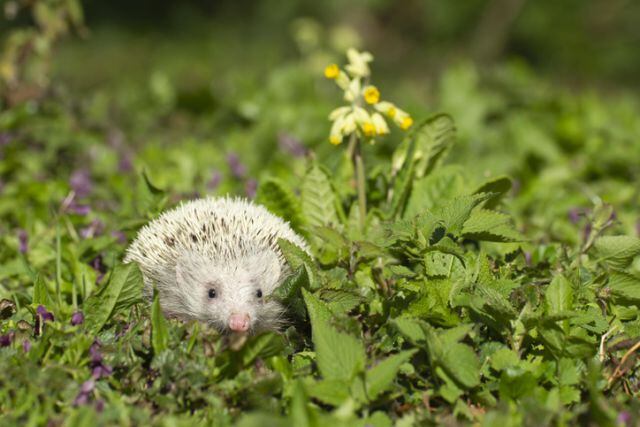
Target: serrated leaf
318,201
380,377
617,251
331,392
490,226
340,356
159,331
498,187
443,184
456,212
624,287
280,200
264,345
434,138
40,292
410,328
123,290
297,258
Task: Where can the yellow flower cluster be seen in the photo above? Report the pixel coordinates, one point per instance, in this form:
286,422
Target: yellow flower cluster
365,113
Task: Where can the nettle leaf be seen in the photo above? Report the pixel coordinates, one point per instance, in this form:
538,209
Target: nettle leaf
300,414
340,356
380,377
331,392
434,138
443,184
297,258
149,198
123,290
159,331
490,226
318,200
278,198
41,292
625,287
617,251
411,328
264,345
559,296
498,187
457,211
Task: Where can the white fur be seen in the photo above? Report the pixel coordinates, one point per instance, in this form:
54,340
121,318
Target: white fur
230,245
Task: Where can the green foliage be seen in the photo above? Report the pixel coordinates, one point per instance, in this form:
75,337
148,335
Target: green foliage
496,279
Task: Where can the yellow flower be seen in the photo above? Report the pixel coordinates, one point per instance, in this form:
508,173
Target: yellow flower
380,124
391,112
406,123
335,139
369,129
371,94
332,71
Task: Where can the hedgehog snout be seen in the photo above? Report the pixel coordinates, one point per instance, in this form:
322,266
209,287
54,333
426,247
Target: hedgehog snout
239,322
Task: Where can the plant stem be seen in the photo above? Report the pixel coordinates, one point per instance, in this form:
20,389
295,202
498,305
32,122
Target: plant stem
361,185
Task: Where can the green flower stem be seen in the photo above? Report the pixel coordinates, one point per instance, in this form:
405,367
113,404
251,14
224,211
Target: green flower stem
361,184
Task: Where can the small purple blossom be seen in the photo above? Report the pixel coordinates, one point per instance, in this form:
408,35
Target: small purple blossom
291,145
99,405
26,346
5,138
574,215
44,314
250,188
81,183
94,229
586,232
23,241
87,386
98,368
120,237
7,339
214,181
237,168
125,164
527,258
624,418
77,318
78,209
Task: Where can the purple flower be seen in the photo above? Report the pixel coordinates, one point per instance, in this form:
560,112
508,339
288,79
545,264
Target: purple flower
120,237
527,258
81,183
574,215
5,138
94,229
44,313
214,182
624,418
81,399
78,209
98,368
125,164
237,168
7,339
290,144
23,241
250,188
87,386
586,232
99,405
77,318
94,352
26,346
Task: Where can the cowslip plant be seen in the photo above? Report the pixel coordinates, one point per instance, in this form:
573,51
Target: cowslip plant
363,119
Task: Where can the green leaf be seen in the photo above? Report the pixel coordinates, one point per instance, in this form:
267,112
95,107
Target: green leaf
331,392
264,345
340,356
498,187
280,200
299,411
410,328
456,212
159,331
40,292
297,258
380,377
318,201
434,138
617,251
490,226
123,290
624,287
428,192
559,295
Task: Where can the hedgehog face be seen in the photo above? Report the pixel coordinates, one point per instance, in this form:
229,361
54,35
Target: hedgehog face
231,295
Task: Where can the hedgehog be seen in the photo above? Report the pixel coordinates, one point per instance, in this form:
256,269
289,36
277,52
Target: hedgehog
216,260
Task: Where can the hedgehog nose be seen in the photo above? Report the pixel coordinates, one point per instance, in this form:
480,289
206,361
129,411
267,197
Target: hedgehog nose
239,322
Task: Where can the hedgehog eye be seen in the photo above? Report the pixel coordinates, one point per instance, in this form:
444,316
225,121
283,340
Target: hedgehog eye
259,293
212,293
